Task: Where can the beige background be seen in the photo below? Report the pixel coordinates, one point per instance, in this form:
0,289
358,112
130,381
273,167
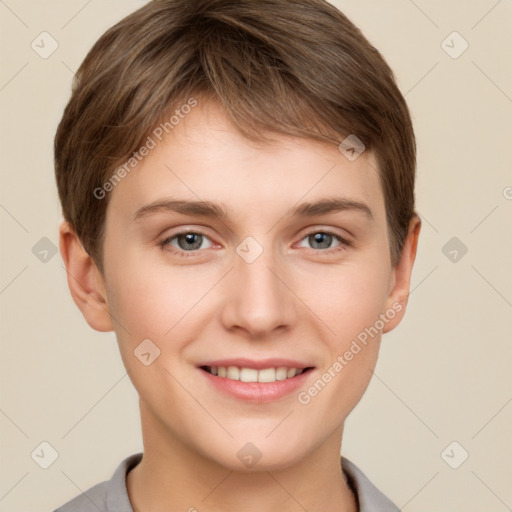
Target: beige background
444,374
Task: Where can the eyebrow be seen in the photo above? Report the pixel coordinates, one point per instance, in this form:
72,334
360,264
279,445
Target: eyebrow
330,205
213,210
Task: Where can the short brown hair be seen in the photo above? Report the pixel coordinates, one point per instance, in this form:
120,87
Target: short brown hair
295,67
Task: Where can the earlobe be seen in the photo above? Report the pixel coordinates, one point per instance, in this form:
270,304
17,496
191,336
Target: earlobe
399,294
84,280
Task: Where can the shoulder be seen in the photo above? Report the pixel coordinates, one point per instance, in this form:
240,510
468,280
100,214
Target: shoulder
89,501
370,498
108,496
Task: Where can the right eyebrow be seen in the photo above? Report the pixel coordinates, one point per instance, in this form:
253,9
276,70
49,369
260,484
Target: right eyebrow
201,208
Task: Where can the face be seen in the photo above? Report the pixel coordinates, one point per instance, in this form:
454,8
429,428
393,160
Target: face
254,258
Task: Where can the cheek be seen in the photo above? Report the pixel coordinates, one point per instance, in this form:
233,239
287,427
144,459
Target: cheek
151,308
150,300
346,299
348,302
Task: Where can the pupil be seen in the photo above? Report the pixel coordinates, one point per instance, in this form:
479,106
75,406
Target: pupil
322,239
191,241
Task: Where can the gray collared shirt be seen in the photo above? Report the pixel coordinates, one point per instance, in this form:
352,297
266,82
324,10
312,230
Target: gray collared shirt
112,496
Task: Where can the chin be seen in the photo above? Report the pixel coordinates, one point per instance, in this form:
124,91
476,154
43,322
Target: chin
258,455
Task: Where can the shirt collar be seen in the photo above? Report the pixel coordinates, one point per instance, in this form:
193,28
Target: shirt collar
367,495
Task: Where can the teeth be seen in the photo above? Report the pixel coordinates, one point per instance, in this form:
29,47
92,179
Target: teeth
266,375
281,373
233,373
253,375
249,375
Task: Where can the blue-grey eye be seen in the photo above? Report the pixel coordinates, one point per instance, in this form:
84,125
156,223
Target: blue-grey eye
188,241
321,240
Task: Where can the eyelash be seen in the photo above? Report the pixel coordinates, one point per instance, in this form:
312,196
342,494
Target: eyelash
343,245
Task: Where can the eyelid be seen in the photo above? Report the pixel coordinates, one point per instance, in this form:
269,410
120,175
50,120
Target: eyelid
341,233
163,242
344,242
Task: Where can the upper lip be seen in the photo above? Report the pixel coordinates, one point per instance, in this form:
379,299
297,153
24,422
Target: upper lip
242,362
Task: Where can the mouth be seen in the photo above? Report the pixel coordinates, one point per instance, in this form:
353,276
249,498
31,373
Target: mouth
256,381
250,374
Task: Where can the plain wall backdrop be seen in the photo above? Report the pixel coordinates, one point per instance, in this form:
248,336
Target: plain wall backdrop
443,384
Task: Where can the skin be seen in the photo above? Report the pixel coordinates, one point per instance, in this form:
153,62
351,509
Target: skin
299,299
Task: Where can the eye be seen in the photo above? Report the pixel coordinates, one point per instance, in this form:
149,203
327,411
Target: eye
323,240
189,241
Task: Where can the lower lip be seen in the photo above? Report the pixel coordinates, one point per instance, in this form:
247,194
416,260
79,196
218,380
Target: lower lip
257,392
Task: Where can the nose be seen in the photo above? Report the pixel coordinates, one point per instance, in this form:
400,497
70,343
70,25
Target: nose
258,300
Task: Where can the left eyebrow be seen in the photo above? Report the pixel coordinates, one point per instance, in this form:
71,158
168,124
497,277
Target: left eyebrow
213,210
330,205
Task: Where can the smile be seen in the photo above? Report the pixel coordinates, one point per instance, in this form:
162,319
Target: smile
245,374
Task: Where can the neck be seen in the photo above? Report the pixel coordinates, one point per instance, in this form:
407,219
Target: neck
173,477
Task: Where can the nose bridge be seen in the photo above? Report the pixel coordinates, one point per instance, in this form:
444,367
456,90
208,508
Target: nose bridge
259,301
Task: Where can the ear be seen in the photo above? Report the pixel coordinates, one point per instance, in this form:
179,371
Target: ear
401,276
85,281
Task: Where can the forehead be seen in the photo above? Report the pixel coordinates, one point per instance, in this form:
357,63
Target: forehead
205,158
